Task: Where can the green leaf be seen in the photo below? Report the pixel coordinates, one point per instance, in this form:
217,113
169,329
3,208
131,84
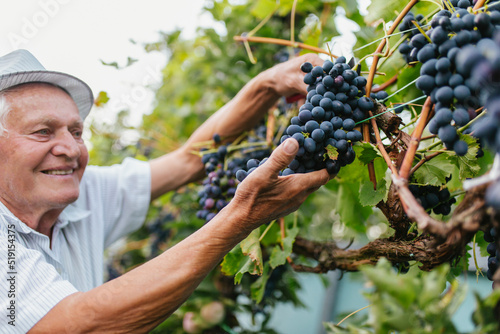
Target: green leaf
258,287
332,152
387,9
369,196
248,267
435,171
101,99
484,315
405,76
366,152
311,32
468,164
278,255
250,247
114,64
351,7
233,261
434,284
400,287
481,244
348,206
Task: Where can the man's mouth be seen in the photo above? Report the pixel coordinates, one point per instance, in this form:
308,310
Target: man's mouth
59,172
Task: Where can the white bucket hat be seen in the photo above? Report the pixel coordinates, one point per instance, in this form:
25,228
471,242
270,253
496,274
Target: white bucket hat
20,67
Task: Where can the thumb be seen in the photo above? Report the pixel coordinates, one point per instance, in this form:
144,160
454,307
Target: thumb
282,156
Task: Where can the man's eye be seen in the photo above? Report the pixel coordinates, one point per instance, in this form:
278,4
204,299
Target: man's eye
43,132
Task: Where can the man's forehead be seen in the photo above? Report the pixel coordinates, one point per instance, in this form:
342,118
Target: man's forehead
32,87
41,102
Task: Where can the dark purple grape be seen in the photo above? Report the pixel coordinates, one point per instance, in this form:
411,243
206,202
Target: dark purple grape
318,135
317,71
460,147
461,117
448,134
306,67
327,66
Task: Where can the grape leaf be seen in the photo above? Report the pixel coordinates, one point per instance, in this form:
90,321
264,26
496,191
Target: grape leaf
481,245
233,261
248,267
278,255
366,152
258,287
369,196
434,172
101,99
250,247
247,257
377,10
403,288
331,152
468,164
348,206
311,32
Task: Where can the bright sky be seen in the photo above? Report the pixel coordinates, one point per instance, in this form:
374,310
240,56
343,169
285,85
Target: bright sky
72,36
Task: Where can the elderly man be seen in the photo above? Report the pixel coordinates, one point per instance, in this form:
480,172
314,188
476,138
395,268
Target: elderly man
58,215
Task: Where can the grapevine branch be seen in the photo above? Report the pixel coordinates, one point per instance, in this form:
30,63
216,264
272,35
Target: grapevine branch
428,249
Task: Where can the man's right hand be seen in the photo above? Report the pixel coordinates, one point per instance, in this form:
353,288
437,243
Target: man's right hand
264,196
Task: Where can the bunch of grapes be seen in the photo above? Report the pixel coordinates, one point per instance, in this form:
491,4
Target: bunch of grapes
325,124
482,63
443,77
410,47
433,198
490,236
219,187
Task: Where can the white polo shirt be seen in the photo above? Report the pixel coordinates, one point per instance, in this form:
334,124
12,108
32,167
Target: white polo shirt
113,202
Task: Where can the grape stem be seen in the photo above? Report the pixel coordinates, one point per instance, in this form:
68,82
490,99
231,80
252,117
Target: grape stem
479,4
386,84
284,42
424,160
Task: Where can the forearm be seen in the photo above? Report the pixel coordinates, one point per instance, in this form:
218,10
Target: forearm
142,298
243,112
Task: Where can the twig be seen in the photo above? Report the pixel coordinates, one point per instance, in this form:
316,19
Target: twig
371,166
353,313
415,140
381,46
386,84
281,42
292,22
424,159
479,4
380,145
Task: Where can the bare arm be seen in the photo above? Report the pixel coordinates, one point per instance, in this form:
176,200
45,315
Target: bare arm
142,298
243,112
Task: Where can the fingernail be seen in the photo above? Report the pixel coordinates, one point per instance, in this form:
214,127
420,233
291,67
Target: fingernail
290,146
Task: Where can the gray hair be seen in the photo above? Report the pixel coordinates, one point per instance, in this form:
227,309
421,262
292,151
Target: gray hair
4,112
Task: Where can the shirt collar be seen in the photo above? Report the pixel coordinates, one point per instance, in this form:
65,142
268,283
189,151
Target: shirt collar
71,213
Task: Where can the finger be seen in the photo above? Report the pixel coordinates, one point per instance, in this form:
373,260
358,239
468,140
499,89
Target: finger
313,180
281,157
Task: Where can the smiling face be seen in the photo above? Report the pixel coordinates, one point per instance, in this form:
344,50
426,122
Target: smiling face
42,156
